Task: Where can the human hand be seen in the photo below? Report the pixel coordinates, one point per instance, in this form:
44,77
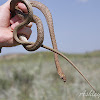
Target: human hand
7,24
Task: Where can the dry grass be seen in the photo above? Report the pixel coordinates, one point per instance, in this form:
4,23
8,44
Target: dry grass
34,77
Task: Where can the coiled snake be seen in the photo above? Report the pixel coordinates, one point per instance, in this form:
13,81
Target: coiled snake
31,46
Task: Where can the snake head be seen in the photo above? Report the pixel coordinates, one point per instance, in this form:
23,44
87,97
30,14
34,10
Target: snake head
63,77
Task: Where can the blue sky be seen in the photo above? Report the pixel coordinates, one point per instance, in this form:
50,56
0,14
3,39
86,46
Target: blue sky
76,24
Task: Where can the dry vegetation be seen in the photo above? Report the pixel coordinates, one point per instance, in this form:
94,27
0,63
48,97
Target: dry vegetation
34,76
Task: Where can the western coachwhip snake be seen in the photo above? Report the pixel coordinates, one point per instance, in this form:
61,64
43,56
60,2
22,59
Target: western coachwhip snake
31,46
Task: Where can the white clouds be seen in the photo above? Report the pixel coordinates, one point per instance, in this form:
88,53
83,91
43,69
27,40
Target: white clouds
83,1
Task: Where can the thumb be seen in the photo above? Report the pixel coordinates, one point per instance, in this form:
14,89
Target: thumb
7,4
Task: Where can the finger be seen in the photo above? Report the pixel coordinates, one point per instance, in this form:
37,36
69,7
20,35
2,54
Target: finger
14,19
7,4
29,25
22,7
25,31
17,19
15,24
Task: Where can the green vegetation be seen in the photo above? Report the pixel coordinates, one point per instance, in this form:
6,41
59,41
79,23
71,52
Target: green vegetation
34,76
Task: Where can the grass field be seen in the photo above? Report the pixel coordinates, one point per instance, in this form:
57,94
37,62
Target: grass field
34,77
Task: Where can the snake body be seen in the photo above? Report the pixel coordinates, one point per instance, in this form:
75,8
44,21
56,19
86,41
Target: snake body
30,18
31,46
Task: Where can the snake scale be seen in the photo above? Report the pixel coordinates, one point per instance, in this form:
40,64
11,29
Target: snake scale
31,46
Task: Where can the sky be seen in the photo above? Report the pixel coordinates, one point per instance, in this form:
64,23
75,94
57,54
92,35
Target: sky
76,24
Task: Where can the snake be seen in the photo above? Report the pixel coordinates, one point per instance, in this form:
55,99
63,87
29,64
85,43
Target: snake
31,46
